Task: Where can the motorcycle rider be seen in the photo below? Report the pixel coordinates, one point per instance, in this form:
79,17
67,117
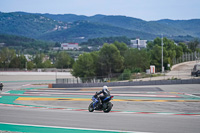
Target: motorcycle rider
105,92
1,86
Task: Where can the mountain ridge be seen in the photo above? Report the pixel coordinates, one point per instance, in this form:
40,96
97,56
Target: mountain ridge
69,27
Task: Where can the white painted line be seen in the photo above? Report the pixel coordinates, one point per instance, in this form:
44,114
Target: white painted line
72,128
167,113
4,93
123,112
27,85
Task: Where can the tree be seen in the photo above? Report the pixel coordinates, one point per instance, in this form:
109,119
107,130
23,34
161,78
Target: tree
84,67
63,60
179,51
110,59
193,45
170,51
137,59
18,62
95,57
38,60
156,57
15,63
143,60
57,44
30,65
6,56
85,48
150,45
126,75
101,41
184,47
72,61
53,56
122,47
130,59
47,64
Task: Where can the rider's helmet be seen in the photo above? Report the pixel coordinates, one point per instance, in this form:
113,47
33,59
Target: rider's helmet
105,89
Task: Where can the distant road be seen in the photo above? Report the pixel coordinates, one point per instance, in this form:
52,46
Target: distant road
182,70
16,76
178,71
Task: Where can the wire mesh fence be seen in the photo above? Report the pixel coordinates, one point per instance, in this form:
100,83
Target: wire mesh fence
187,57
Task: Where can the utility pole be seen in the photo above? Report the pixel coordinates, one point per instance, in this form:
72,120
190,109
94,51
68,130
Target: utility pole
162,54
26,66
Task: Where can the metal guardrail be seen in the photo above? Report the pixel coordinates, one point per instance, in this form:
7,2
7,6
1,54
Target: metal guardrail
132,83
34,70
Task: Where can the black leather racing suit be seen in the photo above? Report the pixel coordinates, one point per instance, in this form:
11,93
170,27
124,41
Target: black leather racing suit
105,94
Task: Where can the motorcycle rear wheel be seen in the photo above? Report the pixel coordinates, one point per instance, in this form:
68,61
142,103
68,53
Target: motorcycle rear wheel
109,107
90,108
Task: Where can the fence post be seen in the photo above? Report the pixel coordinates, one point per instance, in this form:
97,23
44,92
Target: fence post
198,56
195,55
192,54
189,55
185,56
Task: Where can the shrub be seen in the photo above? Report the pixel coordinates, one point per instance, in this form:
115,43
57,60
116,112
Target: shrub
126,75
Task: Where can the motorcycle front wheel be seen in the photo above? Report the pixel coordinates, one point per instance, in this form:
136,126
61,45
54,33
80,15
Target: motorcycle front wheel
90,108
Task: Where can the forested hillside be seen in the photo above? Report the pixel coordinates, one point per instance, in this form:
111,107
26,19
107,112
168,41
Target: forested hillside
79,28
86,30
28,25
165,26
191,27
20,42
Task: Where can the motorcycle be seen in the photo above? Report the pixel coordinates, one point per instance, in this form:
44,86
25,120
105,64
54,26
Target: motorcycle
96,104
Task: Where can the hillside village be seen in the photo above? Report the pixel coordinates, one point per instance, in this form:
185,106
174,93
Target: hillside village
137,43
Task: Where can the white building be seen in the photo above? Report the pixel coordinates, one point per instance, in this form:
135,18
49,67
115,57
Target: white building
138,43
56,48
2,44
28,57
69,46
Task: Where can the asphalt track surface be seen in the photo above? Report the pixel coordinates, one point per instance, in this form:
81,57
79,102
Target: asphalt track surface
98,120
157,109
149,114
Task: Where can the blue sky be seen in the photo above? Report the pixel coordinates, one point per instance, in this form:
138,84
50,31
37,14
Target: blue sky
143,9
